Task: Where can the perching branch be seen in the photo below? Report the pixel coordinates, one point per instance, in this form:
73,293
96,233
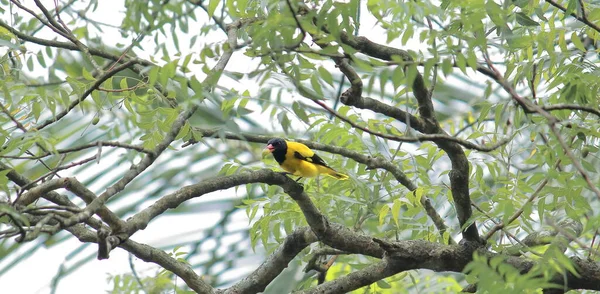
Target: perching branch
370,162
401,255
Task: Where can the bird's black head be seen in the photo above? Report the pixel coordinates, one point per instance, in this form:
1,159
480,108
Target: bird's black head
278,148
276,144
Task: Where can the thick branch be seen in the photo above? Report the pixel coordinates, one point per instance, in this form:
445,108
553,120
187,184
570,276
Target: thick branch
258,280
421,92
151,254
459,175
332,234
401,255
355,280
419,254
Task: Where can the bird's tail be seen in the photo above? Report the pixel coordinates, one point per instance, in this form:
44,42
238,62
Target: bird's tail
332,173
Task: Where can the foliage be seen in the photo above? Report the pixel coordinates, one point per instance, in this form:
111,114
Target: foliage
455,120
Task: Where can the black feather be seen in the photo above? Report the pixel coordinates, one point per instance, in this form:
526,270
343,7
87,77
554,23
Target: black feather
314,159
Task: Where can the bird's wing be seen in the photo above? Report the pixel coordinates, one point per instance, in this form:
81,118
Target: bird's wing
313,159
302,152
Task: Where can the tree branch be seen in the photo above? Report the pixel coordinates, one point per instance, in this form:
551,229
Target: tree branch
571,107
133,171
64,45
459,175
436,137
151,254
582,18
258,280
400,256
421,92
101,79
97,144
419,254
354,280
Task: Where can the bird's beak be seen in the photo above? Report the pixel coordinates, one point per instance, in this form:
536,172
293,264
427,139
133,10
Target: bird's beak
268,150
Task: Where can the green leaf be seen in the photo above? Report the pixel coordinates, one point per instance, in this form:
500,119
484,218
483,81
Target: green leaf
41,59
30,63
577,41
396,211
153,76
314,82
571,6
525,20
461,62
383,284
326,75
408,33
496,13
212,6
383,213
300,112
447,66
521,3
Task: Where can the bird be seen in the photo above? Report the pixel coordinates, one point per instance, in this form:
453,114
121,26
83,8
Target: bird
299,160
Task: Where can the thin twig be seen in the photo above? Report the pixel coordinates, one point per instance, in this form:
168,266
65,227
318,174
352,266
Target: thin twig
509,234
101,79
520,210
572,107
44,22
417,138
582,19
529,107
570,236
57,169
83,147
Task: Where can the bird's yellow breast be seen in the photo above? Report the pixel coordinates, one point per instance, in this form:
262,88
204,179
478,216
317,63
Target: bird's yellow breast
299,167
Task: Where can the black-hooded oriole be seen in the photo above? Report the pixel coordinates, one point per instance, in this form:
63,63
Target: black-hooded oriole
299,160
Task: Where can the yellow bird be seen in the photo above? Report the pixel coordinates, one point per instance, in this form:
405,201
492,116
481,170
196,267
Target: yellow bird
299,160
